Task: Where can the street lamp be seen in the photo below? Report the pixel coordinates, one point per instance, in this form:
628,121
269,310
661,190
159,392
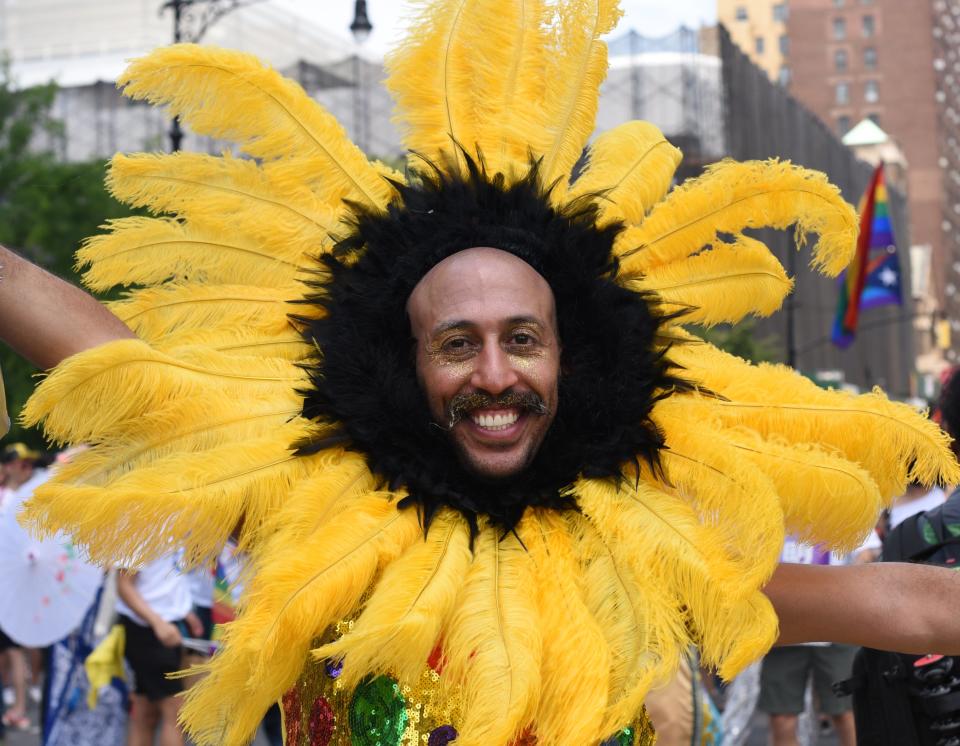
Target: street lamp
191,19
360,28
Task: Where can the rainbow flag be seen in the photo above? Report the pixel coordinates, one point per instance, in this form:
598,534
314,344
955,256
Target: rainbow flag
873,277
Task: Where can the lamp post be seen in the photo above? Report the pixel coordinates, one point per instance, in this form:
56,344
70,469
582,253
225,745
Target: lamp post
360,28
191,19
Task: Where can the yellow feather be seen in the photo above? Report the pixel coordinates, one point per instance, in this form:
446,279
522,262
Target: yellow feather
730,496
631,167
151,251
576,68
189,500
637,615
661,536
401,622
492,644
155,313
576,662
264,203
731,196
287,344
511,65
91,394
723,284
234,96
888,439
432,81
825,498
298,589
190,423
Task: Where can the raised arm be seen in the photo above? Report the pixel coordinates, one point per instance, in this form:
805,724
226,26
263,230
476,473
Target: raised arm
46,319
905,608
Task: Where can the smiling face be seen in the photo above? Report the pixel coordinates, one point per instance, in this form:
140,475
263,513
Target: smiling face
488,357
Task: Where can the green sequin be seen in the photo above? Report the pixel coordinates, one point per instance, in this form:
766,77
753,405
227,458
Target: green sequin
378,715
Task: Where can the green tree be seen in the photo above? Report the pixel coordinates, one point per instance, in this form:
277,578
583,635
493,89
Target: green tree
46,208
743,340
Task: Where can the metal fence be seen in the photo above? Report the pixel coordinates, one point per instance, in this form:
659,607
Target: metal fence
763,121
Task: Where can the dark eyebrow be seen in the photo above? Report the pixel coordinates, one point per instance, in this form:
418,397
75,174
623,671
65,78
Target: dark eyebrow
447,326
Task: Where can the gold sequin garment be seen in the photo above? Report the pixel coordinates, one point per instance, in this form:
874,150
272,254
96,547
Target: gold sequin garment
320,711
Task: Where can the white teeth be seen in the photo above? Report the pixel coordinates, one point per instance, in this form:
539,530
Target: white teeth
496,421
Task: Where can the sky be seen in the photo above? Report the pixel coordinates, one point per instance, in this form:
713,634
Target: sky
649,17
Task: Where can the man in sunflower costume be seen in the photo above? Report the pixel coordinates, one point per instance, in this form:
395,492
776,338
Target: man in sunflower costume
489,487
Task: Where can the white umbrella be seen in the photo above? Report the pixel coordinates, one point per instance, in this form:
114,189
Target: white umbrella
45,587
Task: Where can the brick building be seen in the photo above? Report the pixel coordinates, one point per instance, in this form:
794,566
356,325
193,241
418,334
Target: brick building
896,62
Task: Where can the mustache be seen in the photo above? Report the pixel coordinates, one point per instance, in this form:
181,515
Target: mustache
462,404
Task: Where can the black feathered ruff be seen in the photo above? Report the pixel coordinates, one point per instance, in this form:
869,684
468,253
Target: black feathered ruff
364,377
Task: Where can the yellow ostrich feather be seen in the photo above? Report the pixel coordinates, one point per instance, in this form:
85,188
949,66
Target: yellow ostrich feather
262,202
401,621
729,197
575,677
848,501
660,535
193,501
492,642
638,617
286,343
888,439
432,79
510,78
105,387
298,589
576,68
631,168
186,424
152,251
234,96
730,496
723,284
155,313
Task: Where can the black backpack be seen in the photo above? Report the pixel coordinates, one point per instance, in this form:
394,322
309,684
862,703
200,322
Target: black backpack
911,700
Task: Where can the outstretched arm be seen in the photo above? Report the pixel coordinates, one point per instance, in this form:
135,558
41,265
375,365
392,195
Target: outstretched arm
905,608
46,319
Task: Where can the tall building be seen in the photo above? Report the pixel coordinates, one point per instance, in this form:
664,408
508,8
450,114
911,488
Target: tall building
895,63
759,28
898,64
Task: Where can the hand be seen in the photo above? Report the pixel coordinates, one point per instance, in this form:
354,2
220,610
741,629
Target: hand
194,624
168,634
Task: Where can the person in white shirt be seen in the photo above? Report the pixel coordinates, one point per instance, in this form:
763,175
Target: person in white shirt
155,608
917,499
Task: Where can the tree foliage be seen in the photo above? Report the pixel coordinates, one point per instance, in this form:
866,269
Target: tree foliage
743,340
46,208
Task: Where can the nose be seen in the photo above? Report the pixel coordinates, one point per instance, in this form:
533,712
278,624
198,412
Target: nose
494,371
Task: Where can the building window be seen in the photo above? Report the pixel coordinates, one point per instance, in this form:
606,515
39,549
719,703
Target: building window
869,27
784,44
758,45
840,60
783,77
741,13
871,92
842,93
843,125
870,58
875,118
839,28
781,12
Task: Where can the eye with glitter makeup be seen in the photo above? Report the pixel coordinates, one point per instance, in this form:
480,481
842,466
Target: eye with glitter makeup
523,341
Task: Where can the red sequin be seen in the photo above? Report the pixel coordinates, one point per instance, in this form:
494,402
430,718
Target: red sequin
291,716
322,720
